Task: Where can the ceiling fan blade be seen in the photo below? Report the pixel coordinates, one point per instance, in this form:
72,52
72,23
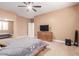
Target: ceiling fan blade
25,3
34,10
37,6
21,6
29,2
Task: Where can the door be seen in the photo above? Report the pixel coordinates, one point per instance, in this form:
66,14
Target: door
30,29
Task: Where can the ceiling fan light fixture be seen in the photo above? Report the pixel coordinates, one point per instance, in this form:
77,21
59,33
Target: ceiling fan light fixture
29,7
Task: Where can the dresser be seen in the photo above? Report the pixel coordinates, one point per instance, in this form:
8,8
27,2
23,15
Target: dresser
46,36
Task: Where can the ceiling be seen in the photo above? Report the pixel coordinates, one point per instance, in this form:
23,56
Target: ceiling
46,7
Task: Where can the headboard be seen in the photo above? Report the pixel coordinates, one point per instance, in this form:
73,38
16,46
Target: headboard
3,36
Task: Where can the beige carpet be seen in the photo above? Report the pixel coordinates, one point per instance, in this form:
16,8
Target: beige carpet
60,49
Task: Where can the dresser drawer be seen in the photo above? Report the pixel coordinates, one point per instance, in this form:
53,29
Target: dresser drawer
46,36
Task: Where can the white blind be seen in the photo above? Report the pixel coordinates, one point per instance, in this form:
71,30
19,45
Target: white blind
3,25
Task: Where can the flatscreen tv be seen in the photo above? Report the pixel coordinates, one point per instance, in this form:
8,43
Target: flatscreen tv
44,27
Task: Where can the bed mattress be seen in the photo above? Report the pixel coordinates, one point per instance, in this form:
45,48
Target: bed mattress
24,46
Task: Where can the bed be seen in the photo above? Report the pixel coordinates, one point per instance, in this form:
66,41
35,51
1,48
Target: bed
23,46
5,35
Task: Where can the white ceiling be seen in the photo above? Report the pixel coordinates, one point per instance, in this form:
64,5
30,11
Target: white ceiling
46,7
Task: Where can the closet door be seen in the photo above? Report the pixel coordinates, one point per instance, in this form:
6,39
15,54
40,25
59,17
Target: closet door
31,29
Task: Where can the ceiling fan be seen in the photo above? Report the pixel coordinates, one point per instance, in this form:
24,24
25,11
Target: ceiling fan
30,6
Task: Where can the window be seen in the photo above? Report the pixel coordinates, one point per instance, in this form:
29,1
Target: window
3,25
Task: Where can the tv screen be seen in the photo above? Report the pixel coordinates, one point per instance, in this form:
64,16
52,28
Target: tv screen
44,27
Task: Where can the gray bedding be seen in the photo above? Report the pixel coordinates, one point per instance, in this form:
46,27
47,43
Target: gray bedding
24,46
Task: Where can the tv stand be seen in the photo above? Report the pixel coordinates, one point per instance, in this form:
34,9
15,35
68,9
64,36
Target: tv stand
45,35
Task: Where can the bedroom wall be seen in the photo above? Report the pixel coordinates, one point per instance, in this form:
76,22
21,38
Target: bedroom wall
61,22
19,23
78,17
21,26
7,15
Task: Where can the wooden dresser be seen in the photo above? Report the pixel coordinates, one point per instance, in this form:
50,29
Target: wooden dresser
46,36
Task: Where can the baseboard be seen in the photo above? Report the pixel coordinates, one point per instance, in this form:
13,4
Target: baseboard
60,41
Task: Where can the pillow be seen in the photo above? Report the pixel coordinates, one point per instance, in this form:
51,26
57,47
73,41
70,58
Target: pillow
7,41
2,43
13,51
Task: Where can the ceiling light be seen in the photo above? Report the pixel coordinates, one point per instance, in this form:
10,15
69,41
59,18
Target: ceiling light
29,7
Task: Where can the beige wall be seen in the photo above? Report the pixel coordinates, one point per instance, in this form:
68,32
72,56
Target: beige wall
20,26
61,22
11,27
8,15
78,17
19,23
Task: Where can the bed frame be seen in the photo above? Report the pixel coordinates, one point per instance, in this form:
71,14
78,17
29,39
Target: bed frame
38,51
